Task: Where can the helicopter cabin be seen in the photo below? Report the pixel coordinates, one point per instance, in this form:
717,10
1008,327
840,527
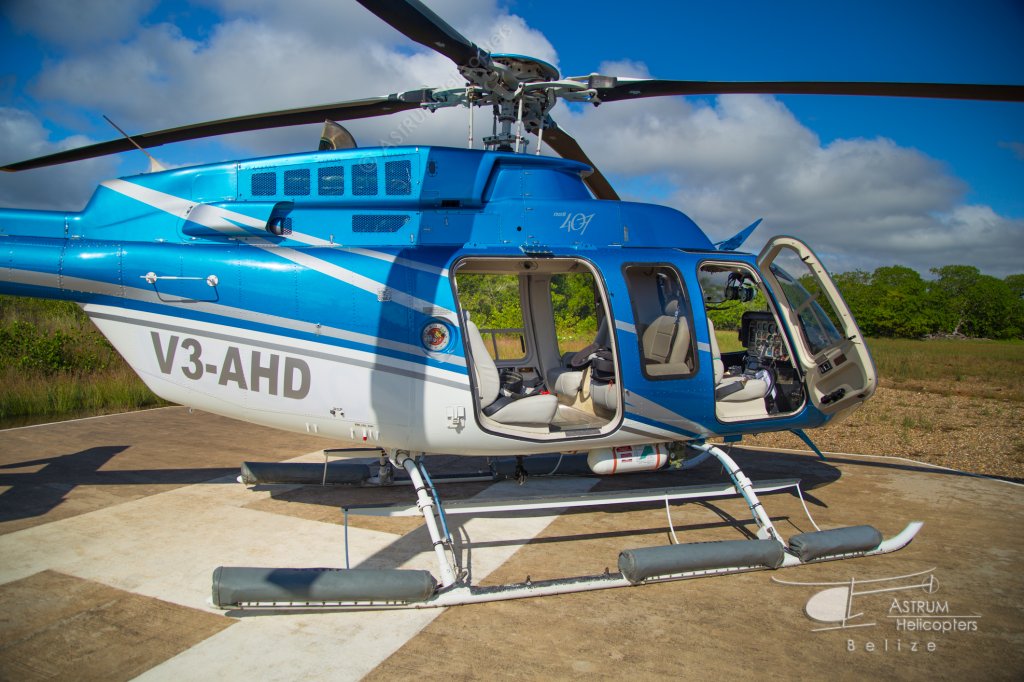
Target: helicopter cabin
560,347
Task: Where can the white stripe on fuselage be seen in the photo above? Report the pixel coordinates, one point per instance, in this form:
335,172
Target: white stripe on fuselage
181,208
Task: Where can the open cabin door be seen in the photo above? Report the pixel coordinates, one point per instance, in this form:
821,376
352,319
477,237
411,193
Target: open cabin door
838,369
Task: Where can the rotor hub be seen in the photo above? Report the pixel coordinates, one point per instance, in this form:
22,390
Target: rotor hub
526,69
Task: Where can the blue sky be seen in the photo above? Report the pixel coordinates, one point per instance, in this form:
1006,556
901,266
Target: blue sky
867,181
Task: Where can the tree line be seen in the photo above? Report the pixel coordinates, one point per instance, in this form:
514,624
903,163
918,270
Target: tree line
896,302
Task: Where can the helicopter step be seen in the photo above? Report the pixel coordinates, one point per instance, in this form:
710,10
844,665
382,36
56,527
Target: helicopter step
339,589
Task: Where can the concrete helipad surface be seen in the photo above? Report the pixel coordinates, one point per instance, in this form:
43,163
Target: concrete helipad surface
111,527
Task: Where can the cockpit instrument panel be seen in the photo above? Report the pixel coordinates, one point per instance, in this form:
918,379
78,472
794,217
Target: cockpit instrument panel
760,336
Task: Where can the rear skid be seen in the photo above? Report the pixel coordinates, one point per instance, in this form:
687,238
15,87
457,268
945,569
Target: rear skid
363,589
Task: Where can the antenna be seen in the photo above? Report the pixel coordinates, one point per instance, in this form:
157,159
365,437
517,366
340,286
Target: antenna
154,165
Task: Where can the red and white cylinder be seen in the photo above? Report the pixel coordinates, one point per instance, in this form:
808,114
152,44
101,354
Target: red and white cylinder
628,458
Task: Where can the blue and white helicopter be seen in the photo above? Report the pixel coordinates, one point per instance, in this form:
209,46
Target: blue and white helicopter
320,293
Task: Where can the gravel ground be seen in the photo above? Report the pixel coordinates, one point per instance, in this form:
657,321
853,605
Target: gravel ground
975,434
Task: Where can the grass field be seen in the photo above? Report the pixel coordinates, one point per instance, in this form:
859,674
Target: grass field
54,364
987,369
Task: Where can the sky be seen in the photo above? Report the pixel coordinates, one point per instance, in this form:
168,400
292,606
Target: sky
865,181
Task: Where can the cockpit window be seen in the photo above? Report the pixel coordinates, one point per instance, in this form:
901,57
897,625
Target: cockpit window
817,318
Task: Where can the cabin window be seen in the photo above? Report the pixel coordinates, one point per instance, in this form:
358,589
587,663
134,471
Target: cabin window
296,182
331,181
364,179
264,184
664,321
494,305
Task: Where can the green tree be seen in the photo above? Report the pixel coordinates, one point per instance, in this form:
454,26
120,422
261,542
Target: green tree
1016,284
992,309
573,303
729,315
855,286
951,295
898,304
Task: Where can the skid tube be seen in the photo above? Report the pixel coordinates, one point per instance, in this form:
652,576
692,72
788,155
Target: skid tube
360,589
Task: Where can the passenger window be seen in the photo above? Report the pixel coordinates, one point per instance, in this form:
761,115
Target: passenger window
493,304
573,302
664,321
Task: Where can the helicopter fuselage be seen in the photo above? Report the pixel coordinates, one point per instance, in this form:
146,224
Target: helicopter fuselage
319,293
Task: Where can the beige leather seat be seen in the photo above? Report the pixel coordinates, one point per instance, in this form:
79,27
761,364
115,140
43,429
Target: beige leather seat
733,389
566,381
666,344
535,410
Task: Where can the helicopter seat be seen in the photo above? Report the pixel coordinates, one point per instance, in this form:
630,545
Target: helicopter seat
666,343
567,383
738,388
567,379
513,409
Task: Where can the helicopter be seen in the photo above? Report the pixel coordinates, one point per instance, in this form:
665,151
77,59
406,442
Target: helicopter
325,293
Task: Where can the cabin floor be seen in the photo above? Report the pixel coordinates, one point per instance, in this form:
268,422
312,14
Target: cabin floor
111,527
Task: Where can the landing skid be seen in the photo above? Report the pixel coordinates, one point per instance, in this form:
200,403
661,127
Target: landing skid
361,589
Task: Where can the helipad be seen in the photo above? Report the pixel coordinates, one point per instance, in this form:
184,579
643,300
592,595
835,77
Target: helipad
111,527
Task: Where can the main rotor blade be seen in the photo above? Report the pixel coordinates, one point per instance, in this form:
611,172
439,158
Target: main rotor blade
568,148
340,111
418,22
657,88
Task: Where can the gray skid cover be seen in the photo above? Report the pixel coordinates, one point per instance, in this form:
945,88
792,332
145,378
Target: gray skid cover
649,562
234,585
810,546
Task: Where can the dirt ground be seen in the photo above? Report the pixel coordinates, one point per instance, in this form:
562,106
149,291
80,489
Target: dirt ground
979,435
749,626
97,586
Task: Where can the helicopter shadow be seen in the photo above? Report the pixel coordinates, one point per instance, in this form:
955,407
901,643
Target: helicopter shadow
47,483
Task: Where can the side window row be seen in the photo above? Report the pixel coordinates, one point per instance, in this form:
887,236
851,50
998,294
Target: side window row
331,180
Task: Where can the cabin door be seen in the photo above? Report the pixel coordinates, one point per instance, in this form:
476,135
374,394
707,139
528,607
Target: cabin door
838,369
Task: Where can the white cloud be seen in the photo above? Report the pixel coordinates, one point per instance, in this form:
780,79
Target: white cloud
859,202
65,187
267,57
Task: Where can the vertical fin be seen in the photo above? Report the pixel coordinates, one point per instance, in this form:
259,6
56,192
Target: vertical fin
734,242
